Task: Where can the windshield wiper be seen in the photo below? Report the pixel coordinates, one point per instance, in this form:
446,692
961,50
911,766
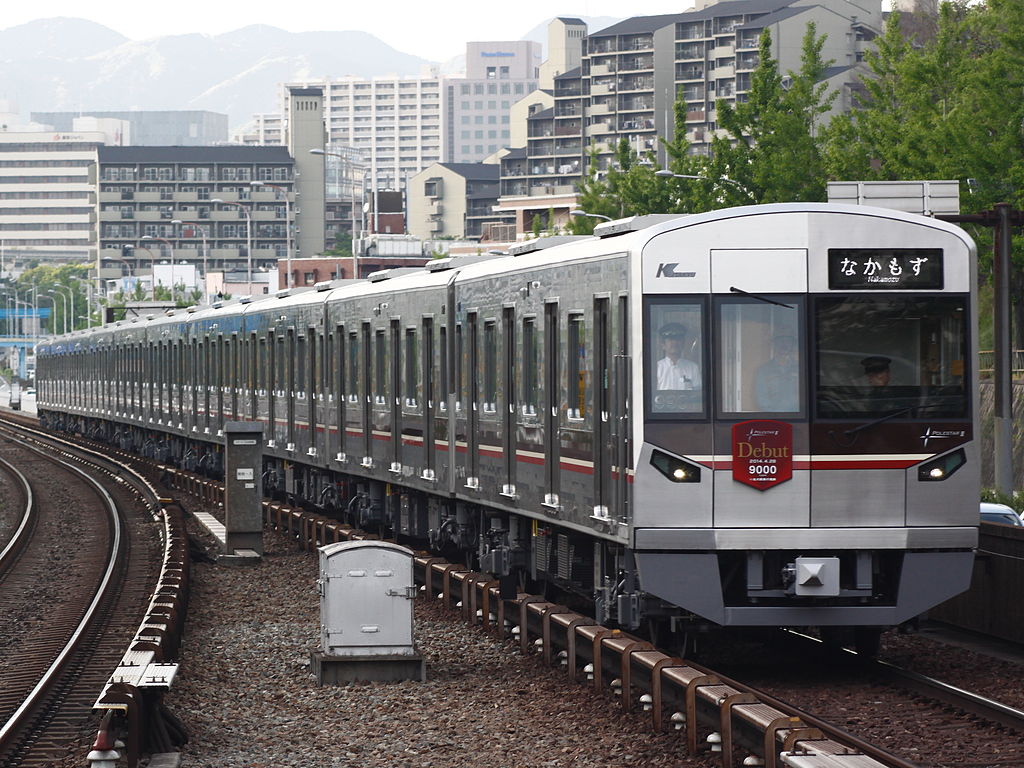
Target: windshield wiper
851,434
741,292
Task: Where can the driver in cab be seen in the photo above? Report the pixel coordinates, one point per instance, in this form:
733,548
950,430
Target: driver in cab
675,371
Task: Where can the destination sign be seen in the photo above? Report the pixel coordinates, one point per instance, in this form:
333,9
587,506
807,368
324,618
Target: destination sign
885,269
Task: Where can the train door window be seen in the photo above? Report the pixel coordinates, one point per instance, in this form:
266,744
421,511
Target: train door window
460,366
442,343
429,396
412,374
891,356
675,360
576,353
760,358
353,367
530,364
380,389
301,345
490,399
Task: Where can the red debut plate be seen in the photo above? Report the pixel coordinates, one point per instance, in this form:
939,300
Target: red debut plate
762,453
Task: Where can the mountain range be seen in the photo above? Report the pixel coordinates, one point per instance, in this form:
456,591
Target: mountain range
69,64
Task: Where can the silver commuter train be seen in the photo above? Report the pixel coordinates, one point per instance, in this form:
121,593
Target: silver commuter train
761,416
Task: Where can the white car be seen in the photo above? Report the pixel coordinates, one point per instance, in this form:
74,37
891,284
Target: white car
999,513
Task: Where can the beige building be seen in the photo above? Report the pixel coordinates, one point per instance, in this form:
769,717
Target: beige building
454,200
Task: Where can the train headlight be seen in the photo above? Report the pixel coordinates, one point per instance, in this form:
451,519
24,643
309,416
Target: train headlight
939,469
676,470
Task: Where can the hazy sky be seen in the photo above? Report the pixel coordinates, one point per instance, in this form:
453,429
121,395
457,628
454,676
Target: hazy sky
435,30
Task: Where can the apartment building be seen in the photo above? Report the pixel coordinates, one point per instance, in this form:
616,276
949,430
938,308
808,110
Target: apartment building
631,74
220,207
48,197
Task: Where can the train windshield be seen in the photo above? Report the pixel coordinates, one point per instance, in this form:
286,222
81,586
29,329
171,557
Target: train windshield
760,356
675,333
878,356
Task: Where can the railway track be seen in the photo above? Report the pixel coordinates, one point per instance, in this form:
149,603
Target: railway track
688,696
74,584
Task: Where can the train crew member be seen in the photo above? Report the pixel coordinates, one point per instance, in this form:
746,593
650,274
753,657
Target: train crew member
876,370
777,384
674,370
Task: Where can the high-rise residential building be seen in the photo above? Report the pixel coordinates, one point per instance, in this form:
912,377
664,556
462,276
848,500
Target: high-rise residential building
394,123
160,203
632,73
48,197
454,200
178,128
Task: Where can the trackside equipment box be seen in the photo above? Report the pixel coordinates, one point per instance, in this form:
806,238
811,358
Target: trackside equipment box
366,614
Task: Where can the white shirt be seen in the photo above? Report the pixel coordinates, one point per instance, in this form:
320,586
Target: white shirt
683,374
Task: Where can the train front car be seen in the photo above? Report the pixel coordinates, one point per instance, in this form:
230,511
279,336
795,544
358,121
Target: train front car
807,454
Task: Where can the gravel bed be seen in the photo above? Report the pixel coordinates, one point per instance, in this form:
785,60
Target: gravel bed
246,693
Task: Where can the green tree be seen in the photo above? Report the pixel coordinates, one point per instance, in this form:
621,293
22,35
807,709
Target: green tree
772,150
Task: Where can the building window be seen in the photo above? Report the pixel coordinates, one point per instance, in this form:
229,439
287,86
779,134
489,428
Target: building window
309,278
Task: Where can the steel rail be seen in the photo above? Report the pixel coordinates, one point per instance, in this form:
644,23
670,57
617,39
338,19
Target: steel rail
20,536
10,728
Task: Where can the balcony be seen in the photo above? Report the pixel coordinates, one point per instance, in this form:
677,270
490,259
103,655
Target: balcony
599,129
568,130
599,108
689,73
600,89
596,70
696,116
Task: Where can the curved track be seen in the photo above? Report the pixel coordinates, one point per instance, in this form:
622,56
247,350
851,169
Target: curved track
65,612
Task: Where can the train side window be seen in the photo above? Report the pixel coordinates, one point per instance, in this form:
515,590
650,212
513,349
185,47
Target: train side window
490,399
529,366
760,358
576,351
675,359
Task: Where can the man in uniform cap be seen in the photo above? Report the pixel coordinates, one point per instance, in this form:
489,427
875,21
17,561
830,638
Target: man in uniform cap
876,369
674,370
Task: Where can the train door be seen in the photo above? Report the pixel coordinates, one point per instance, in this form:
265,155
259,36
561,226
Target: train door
395,400
340,392
220,364
621,397
290,386
601,408
411,402
509,407
427,366
312,386
255,347
760,411
272,383
473,403
552,391
234,375
368,395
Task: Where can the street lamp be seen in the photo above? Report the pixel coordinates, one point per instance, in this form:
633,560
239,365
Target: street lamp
591,215
287,227
206,250
88,298
64,306
248,237
170,247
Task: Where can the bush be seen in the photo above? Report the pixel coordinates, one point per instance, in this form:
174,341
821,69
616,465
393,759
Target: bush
1014,500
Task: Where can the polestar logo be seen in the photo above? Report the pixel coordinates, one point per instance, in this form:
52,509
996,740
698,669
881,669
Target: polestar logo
669,270
940,434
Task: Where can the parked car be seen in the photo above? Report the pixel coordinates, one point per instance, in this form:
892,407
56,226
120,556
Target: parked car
31,391
999,513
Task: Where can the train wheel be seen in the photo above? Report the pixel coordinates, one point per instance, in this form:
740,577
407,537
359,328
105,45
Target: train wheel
866,641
